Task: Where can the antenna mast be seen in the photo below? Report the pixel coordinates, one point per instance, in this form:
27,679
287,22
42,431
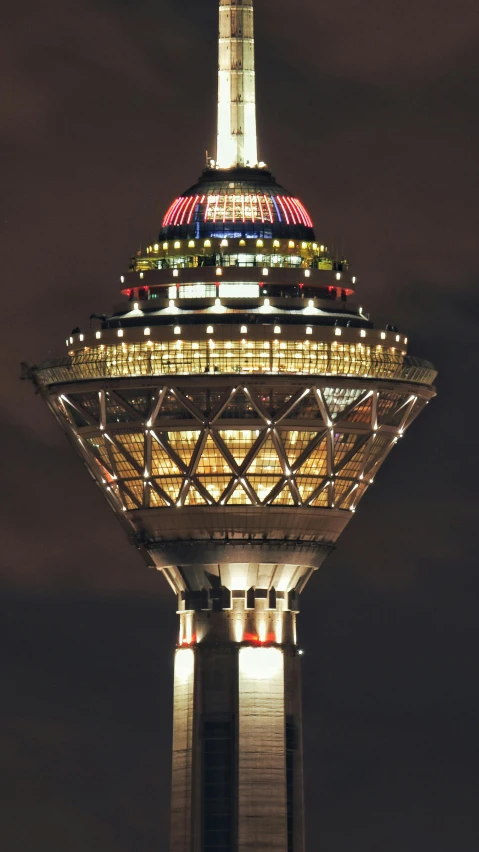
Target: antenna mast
237,140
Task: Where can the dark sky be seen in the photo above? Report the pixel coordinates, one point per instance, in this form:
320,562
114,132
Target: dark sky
369,112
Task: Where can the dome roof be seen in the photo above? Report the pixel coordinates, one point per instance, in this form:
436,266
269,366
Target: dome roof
237,203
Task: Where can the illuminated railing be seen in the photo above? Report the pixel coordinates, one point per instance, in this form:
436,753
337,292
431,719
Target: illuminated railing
230,357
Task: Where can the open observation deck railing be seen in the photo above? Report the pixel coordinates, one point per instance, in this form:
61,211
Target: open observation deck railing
137,360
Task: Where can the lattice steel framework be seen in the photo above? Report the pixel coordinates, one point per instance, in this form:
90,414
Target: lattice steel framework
251,445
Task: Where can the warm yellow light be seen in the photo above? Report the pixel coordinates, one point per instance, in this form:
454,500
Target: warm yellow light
383,335
210,329
120,332
177,329
309,330
277,329
291,244
244,329
363,333
224,242
177,244
259,243
147,332
156,247
191,244
219,271
337,332
276,243
207,243
165,245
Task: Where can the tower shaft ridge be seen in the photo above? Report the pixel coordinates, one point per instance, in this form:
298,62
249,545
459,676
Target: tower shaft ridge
234,409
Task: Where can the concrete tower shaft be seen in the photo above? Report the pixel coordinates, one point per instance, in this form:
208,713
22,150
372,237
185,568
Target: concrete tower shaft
237,732
237,142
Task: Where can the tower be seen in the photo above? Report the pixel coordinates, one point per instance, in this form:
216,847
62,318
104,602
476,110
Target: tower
234,410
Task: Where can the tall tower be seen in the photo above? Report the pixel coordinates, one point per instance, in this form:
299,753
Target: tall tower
233,410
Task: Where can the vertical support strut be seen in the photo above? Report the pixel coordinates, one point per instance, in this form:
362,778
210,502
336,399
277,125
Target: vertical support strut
237,142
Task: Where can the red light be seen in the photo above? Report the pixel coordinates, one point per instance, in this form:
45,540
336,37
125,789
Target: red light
251,637
292,211
169,211
180,212
306,217
192,208
254,638
185,210
283,209
172,211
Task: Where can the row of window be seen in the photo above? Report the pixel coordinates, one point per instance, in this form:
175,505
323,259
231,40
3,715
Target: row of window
277,261
238,290
229,357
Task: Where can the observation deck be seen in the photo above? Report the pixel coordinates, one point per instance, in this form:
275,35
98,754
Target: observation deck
239,383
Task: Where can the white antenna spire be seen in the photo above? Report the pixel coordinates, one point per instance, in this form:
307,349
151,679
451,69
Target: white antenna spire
237,142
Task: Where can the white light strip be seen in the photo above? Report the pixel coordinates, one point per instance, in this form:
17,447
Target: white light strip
261,752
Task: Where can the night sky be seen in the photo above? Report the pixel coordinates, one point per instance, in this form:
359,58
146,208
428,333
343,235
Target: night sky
369,113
